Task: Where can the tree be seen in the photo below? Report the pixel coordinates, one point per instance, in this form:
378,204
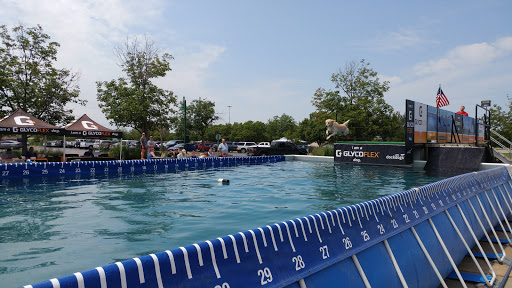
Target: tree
201,116
501,120
359,97
280,126
312,129
136,102
29,79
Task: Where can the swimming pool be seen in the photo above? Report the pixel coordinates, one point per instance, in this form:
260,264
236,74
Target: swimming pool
52,228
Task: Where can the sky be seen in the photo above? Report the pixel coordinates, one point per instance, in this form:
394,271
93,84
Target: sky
260,59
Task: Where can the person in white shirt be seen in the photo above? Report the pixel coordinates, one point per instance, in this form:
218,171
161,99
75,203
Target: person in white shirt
182,154
223,148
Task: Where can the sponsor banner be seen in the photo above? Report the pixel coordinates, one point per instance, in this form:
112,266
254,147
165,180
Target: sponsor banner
409,121
30,130
420,122
371,154
98,134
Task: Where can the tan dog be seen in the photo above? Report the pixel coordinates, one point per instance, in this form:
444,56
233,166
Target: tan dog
335,128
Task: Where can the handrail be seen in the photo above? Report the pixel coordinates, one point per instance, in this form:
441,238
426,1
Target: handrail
502,138
498,143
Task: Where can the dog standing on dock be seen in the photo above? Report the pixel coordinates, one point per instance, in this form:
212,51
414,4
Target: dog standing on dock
334,128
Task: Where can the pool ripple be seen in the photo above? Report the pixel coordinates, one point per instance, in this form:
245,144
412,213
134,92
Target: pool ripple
99,221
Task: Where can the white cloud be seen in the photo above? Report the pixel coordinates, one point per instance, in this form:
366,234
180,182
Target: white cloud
463,59
403,39
190,70
393,80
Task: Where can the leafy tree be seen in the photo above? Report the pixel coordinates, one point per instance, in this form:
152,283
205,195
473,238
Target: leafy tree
312,129
136,102
501,120
280,126
201,115
359,97
223,129
29,79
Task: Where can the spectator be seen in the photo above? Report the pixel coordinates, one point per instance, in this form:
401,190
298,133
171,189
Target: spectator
210,152
151,143
193,154
165,153
182,154
8,154
223,148
143,145
462,112
30,153
151,154
89,153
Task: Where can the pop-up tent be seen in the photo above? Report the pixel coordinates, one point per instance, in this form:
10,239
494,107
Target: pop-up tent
21,122
86,127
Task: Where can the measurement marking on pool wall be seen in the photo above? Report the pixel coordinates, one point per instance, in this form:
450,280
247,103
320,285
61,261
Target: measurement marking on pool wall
282,253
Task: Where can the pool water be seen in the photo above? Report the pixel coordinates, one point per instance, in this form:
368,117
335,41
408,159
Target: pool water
55,226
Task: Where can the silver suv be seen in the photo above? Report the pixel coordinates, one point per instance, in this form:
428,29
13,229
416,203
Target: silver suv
242,146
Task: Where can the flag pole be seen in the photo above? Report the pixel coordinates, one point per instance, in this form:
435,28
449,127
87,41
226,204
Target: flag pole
437,117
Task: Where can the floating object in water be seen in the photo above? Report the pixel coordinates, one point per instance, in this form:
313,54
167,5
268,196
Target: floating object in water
223,181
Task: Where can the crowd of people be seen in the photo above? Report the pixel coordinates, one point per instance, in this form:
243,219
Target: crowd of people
147,149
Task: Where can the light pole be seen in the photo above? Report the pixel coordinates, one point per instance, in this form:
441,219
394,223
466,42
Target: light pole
229,113
184,108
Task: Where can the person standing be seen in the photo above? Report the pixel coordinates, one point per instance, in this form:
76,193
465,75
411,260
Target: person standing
223,148
151,143
462,112
143,145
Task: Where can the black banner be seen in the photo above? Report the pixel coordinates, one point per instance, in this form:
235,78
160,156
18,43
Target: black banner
380,154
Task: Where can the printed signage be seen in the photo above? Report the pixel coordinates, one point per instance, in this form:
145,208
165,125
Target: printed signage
371,154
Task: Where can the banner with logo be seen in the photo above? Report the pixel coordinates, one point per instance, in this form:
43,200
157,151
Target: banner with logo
21,122
86,127
380,154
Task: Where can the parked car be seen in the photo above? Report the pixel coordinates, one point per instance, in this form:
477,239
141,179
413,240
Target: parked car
242,146
127,143
54,143
277,148
263,144
87,143
232,145
189,147
102,144
172,143
7,143
78,141
70,143
204,147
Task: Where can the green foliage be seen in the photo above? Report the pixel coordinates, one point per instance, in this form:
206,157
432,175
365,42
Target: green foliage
327,150
359,97
501,120
29,80
201,114
128,153
136,102
279,127
312,129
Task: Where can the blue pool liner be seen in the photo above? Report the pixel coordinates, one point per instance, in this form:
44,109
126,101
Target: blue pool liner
325,249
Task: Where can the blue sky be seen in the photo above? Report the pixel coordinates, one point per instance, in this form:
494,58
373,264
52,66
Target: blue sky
265,58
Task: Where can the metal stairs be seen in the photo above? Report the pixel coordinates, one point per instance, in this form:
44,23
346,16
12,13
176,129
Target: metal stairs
500,152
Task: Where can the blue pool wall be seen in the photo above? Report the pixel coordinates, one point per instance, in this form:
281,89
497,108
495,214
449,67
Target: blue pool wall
92,168
321,250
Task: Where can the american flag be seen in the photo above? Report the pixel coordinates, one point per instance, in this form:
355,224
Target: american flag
441,99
